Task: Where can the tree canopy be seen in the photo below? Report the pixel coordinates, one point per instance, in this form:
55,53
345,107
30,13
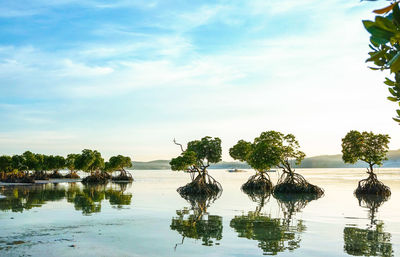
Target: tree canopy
198,155
118,163
366,146
385,46
270,149
89,161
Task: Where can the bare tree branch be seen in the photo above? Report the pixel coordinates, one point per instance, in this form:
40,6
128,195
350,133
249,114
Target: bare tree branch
179,145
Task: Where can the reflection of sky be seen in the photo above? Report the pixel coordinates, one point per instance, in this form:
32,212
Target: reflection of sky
144,227
129,76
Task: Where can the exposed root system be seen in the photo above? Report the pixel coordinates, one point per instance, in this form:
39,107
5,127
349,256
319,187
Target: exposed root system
259,183
73,175
56,174
15,177
202,185
40,176
372,186
97,178
294,183
123,176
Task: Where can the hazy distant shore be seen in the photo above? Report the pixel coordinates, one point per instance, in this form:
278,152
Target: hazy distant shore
322,161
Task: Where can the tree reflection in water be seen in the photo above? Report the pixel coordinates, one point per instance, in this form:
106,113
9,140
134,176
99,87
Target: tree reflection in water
274,235
196,223
372,241
20,198
86,199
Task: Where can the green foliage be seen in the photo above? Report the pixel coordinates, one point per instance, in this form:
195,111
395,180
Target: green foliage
366,146
70,161
385,45
89,161
269,150
241,150
198,155
5,163
185,161
118,163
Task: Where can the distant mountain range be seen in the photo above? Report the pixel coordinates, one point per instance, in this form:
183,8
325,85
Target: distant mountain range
322,161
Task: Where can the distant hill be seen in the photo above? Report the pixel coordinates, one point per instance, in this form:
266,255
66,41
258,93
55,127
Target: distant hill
322,161
152,165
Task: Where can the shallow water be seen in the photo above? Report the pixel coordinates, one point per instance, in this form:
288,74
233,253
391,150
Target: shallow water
149,218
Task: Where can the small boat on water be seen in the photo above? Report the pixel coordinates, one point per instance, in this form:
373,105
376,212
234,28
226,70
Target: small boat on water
236,170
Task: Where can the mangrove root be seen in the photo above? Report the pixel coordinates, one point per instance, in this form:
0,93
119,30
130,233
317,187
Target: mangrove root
40,176
201,185
257,184
294,183
97,178
123,176
15,177
56,174
73,175
372,186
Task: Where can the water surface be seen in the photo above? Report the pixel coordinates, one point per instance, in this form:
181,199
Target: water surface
149,218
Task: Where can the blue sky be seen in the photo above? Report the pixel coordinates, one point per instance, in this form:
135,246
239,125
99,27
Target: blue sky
126,77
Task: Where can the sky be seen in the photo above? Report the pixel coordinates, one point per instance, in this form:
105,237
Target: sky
127,77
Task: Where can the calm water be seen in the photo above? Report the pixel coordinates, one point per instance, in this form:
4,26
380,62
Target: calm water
149,218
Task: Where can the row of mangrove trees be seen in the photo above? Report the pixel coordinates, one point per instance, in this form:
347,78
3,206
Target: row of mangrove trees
274,149
28,167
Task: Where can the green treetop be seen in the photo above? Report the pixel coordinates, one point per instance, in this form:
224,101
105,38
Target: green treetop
198,155
366,146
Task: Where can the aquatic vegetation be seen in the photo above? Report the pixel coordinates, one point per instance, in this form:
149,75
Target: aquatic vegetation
70,165
372,149
119,163
273,149
195,160
257,156
15,177
91,162
196,223
29,166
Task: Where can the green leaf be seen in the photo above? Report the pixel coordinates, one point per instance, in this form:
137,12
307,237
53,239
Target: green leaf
385,23
376,56
378,41
393,99
378,30
396,14
392,91
389,82
398,112
394,63
396,119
